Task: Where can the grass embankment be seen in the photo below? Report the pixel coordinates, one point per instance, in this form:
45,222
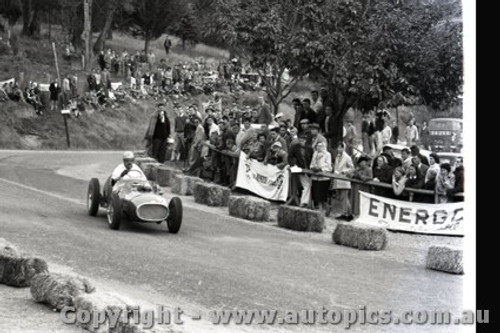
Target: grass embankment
121,128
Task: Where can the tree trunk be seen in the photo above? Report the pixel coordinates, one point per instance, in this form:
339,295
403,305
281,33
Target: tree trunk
26,17
183,44
340,108
87,32
50,24
36,24
110,12
109,34
146,42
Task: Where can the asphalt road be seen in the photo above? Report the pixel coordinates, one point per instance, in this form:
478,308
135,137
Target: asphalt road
214,262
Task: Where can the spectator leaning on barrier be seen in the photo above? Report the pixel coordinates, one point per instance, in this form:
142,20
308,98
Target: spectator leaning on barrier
363,170
343,166
421,168
321,162
415,151
276,155
158,132
300,155
445,182
399,181
382,171
414,179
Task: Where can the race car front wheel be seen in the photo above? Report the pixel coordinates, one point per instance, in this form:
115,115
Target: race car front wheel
174,219
115,213
93,197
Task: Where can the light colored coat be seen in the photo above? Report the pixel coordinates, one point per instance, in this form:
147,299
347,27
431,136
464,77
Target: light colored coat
321,161
343,166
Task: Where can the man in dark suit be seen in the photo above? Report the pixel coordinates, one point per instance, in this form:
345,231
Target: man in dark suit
158,132
421,167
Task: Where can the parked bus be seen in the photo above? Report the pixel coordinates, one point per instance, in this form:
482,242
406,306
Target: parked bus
446,134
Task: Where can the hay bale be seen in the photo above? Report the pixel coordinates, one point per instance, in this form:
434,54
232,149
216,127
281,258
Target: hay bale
360,236
300,219
98,303
165,175
184,185
249,208
446,259
150,170
19,271
141,160
211,194
58,290
7,249
140,153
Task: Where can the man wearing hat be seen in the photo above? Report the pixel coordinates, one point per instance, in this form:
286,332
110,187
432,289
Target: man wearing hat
127,170
158,132
276,155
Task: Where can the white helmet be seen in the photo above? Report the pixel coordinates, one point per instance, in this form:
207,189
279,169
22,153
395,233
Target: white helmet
128,155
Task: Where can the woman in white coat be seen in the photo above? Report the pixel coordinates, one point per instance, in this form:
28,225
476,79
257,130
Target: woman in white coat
321,162
343,167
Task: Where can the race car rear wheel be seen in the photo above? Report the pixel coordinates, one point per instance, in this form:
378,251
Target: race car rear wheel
174,219
93,197
115,213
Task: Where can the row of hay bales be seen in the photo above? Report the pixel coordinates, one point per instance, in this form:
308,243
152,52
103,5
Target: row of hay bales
59,291
352,234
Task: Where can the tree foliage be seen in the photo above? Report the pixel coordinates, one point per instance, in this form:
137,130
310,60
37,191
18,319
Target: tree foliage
369,53
261,33
154,17
187,29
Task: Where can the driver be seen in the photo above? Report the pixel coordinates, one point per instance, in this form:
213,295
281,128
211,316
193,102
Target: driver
127,170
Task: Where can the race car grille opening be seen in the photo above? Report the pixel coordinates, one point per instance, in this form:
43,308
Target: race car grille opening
152,212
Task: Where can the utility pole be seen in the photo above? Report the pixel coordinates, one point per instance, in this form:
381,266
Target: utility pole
87,32
65,115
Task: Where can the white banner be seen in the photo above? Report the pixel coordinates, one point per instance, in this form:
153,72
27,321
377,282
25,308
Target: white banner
443,219
266,181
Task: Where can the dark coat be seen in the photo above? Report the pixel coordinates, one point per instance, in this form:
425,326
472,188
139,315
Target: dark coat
152,126
54,91
300,157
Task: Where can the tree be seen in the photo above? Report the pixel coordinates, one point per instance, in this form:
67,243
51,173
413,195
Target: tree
383,54
111,7
11,10
261,32
87,32
154,17
187,29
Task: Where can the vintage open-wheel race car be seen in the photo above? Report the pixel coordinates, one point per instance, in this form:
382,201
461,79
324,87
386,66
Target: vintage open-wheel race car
135,200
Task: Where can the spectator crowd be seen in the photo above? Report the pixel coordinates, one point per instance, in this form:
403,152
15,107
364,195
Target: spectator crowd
210,146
